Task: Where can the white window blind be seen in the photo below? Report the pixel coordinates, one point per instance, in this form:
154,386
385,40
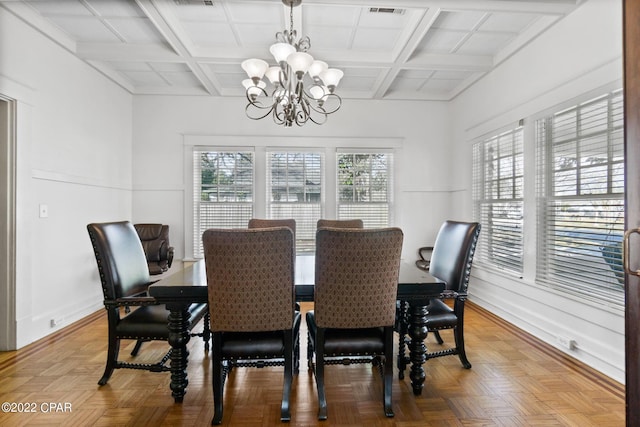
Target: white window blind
498,199
222,193
365,189
295,191
580,190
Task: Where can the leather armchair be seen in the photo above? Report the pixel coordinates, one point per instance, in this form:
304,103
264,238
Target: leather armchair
155,242
451,261
131,313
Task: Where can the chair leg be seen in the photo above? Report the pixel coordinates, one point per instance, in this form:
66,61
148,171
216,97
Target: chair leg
136,349
458,334
218,380
310,352
285,414
206,332
438,337
322,400
114,347
388,371
296,352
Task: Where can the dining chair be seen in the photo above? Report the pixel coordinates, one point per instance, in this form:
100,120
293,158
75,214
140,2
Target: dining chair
268,223
356,282
253,320
284,222
131,313
424,254
157,249
340,223
451,261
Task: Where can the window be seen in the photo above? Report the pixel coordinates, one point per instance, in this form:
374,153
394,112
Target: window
295,184
498,199
291,184
364,187
580,189
223,192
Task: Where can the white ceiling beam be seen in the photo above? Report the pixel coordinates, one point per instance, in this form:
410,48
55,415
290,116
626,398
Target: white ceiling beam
113,75
423,26
158,14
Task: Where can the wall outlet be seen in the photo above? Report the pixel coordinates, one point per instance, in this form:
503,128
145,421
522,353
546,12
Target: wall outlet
567,343
57,321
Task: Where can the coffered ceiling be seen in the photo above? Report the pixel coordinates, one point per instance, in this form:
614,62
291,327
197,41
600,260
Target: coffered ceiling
388,49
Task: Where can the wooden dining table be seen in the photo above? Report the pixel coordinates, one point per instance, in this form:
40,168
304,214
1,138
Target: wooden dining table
185,287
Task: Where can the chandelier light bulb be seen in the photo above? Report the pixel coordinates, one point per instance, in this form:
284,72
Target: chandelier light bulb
253,90
317,68
255,68
281,51
319,93
331,77
299,63
273,74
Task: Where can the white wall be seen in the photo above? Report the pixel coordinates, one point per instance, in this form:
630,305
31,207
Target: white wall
580,54
162,125
74,155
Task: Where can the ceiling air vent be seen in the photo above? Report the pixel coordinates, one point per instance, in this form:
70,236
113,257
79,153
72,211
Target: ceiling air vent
193,2
386,10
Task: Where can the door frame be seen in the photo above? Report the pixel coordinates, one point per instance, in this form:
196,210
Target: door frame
8,336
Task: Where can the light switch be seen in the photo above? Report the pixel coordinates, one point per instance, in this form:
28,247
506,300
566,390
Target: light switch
44,211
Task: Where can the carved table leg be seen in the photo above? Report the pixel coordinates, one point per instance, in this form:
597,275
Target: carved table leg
402,325
178,339
417,349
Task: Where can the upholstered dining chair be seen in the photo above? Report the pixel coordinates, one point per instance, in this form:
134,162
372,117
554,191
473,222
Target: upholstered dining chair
124,276
253,320
340,223
268,223
157,249
451,261
356,283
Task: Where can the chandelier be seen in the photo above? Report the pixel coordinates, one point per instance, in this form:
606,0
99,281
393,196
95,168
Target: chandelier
303,88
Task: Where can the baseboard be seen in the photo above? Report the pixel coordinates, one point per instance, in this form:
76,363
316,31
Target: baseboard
607,383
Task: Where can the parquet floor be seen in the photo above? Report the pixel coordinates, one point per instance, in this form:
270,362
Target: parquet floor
515,381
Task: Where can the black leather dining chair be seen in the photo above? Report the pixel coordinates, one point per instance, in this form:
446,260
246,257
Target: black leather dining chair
451,261
131,313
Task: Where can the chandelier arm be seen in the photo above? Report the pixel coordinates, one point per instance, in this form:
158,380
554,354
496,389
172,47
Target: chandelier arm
252,117
316,121
278,116
333,110
252,101
304,113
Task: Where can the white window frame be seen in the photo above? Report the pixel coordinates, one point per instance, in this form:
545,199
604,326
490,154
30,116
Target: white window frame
237,212
498,200
330,146
363,209
306,212
579,226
